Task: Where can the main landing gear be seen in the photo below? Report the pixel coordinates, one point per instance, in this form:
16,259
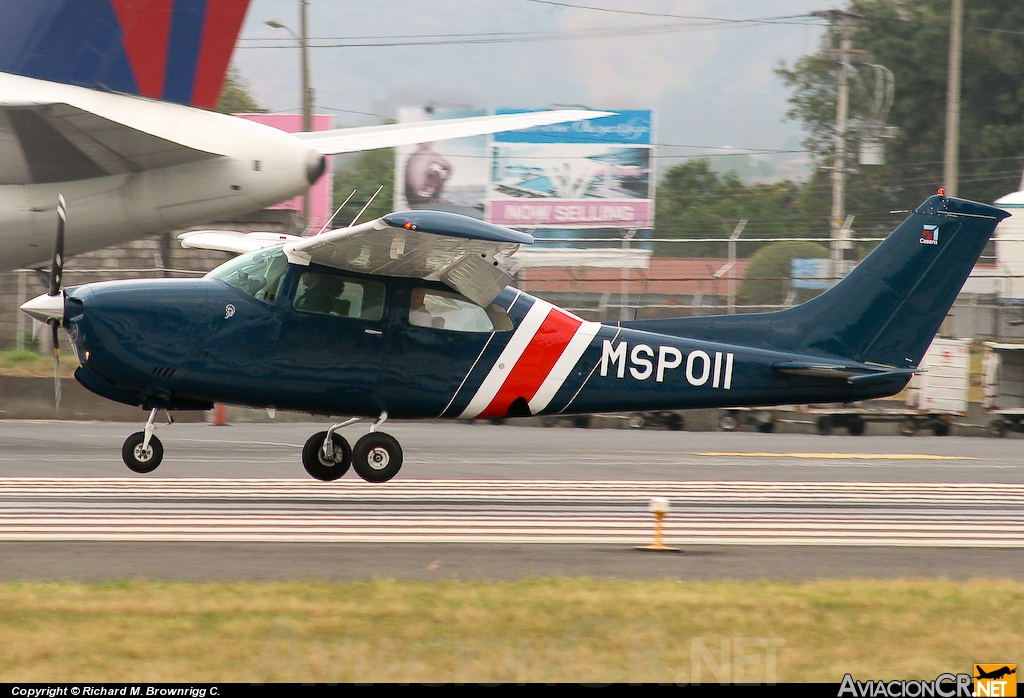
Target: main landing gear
376,457
327,456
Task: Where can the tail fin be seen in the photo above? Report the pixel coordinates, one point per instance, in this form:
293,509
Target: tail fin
887,310
176,50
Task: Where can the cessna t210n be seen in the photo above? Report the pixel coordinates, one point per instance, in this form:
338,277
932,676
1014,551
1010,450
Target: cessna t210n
410,316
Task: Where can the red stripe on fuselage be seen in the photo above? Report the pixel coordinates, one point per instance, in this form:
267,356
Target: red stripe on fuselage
220,31
535,363
145,31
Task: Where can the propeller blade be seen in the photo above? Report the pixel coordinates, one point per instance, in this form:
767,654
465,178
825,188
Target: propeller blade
57,266
54,335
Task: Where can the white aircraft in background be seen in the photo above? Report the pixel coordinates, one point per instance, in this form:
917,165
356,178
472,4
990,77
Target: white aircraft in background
96,103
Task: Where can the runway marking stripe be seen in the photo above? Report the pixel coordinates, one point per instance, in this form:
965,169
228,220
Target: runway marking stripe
853,456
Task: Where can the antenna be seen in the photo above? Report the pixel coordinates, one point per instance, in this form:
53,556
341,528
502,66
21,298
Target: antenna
366,206
331,219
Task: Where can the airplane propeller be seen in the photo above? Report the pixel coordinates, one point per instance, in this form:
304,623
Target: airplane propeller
56,277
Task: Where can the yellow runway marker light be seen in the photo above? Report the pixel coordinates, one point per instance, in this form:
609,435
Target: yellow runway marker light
659,507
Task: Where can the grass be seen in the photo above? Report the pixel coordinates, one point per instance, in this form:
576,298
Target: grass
534,630
25,362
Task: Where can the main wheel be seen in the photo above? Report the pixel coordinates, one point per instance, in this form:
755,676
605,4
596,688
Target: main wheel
321,467
139,459
824,425
377,457
675,422
766,427
855,425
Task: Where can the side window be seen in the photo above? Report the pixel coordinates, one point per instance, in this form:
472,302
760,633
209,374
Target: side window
330,294
258,275
449,311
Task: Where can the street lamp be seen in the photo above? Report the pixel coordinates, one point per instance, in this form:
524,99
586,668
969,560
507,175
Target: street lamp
307,91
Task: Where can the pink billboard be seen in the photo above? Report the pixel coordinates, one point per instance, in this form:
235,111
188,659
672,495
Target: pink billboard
321,193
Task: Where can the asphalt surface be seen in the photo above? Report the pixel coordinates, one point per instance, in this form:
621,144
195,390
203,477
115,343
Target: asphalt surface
449,453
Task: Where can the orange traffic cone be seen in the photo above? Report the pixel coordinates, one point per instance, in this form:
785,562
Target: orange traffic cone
220,415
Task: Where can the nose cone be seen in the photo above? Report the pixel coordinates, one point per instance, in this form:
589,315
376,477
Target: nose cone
316,165
45,307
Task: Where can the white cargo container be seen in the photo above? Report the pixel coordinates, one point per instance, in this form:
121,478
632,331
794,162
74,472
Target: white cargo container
1003,388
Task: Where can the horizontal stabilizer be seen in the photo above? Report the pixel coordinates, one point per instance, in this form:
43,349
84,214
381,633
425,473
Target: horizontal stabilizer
854,374
350,140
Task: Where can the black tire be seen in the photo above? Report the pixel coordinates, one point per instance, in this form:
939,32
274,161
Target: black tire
824,425
940,429
766,427
675,422
322,469
855,426
728,422
140,461
581,421
637,420
377,457
997,428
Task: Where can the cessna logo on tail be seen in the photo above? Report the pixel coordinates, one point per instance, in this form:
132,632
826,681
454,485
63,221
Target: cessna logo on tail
645,362
930,235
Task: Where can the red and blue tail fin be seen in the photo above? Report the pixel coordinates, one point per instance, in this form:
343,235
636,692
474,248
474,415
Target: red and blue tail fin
176,50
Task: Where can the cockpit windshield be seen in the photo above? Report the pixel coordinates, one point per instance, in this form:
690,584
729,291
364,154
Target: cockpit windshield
257,274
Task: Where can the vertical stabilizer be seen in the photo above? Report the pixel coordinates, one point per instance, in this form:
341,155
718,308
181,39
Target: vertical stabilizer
887,310
175,50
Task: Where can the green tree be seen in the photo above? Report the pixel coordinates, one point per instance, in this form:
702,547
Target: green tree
236,95
768,277
364,173
911,38
695,202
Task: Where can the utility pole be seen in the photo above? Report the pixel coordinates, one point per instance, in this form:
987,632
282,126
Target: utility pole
951,169
307,96
839,161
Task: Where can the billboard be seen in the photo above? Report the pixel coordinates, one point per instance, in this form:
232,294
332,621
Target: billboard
447,175
584,190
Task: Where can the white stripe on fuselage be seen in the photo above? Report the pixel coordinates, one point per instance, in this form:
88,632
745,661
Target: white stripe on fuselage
520,340
563,367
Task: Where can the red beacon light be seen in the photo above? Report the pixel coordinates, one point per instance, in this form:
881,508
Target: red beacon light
409,226
942,192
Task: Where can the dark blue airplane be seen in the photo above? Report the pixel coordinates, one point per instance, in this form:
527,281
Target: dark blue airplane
410,316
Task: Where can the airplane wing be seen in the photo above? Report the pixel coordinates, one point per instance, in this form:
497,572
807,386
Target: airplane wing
231,241
462,252
350,140
43,142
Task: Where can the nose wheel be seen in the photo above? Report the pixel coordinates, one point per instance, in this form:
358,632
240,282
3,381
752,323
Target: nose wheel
139,456
142,451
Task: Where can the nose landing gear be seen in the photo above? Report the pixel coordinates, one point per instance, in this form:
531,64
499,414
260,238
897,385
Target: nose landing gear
376,457
142,452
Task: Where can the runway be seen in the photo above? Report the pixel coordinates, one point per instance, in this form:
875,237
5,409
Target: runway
507,502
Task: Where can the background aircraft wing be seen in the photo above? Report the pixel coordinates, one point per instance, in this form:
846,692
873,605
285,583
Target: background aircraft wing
350,140
465,253
230,241
44,142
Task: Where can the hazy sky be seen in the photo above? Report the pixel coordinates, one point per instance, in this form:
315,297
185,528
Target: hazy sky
711,84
